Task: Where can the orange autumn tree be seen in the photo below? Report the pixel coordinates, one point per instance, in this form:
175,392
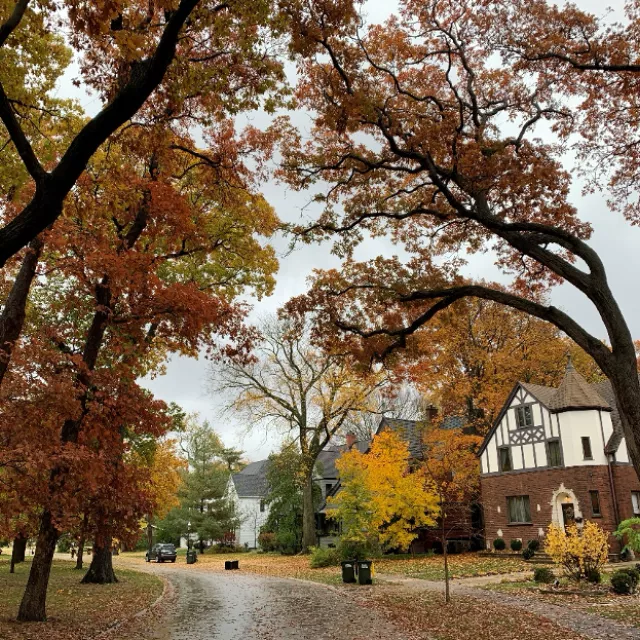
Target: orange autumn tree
430,134
468,360
152,62
381,502
450,465
134,274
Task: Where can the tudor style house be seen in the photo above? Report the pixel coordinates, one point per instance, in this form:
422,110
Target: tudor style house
556,456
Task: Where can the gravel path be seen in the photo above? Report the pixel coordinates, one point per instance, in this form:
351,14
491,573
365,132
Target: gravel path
587,624
236,606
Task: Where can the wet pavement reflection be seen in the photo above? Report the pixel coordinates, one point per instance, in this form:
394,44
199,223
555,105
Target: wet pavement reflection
235,606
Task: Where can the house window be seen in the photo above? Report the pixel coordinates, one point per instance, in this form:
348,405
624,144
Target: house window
261,506
524,416
586,448
504,459
635,501
595,503
518,509
555,455
327,489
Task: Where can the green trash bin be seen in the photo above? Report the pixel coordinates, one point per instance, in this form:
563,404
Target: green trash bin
348,571
363,571
191,557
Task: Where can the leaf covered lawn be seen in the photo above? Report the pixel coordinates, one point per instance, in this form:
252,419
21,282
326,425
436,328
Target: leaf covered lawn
75,611
598,600
424,615
424,567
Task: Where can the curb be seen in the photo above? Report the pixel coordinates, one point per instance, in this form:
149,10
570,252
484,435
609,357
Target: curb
167,591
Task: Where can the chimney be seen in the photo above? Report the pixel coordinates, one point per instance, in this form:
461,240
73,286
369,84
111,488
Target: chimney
431,413
351,440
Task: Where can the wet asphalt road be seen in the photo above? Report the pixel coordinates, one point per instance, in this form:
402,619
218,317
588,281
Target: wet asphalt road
235,606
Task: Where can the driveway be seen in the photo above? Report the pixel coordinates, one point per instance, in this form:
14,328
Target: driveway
235,606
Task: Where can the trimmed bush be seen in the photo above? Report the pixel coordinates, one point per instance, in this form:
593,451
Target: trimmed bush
594,576
543,575
499,544
287,542
267,541
64,544
622,582
324,557
515,545
527,553
455,546
534,545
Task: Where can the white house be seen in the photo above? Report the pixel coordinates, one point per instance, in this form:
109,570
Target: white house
248,490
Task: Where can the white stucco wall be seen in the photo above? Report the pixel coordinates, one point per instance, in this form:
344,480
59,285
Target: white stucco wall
574,425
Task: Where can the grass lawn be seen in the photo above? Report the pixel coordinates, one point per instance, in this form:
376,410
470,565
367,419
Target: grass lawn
465,565
423,567
75,611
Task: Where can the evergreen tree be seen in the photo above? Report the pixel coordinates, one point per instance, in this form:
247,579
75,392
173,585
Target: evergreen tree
204,508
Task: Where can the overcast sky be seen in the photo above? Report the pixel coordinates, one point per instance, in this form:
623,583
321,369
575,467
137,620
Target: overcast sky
186,379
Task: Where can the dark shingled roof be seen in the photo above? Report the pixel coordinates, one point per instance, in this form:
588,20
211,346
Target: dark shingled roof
326,462
575,392
544,394
409,430
251,482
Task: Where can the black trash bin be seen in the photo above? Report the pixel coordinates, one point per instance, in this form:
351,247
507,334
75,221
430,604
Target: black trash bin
228,565
363,571
191,557
235,564
348,571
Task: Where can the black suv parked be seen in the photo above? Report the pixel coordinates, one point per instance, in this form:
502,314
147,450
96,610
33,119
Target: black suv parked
162,552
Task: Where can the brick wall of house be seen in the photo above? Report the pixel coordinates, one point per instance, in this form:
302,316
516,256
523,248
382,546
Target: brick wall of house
540,486
625,481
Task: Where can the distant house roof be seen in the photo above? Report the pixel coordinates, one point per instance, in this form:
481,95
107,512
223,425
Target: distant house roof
326,462
409,430
251,482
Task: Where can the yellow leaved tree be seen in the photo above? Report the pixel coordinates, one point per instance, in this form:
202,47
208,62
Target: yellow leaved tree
381,500
165,477
580,553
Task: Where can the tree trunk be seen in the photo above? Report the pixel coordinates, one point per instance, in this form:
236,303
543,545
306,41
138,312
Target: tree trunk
308,515
626,388
447,596
101,568
149,535
14,311
80,556
19,550
33,605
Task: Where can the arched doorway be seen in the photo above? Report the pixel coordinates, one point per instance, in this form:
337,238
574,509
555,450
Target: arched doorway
565,508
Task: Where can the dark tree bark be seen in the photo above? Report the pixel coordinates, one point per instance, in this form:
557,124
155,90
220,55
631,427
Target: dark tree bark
53,187
80,556
308,514
101,567
14,311
33,605
19,550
